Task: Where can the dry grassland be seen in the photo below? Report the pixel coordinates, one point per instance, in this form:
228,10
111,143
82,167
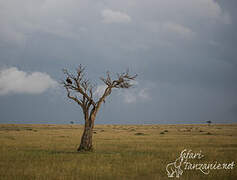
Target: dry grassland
29,152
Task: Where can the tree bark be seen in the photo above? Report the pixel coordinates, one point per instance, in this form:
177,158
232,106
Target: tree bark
86,139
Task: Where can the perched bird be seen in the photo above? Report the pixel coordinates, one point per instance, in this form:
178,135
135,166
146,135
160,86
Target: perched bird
69,80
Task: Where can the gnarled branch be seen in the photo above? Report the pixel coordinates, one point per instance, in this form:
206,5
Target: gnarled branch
79,84
123,80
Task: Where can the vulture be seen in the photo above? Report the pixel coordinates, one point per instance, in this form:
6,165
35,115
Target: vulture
69,80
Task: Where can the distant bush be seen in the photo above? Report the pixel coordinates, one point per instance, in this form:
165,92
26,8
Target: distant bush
139,134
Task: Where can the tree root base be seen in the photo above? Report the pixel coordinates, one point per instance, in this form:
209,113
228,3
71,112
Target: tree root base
85,149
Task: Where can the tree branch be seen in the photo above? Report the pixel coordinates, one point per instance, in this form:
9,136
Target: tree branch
77,83
73,98
123,81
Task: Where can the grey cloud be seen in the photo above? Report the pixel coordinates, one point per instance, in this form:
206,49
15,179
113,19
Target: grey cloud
187,48
110,16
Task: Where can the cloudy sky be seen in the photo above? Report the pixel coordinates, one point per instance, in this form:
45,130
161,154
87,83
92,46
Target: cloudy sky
183,51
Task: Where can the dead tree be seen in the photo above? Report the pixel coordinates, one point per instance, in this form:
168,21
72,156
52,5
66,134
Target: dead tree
80,90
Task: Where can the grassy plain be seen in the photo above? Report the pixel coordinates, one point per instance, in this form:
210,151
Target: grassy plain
29,152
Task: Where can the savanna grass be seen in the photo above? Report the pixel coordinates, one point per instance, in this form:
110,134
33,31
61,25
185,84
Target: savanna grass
120,151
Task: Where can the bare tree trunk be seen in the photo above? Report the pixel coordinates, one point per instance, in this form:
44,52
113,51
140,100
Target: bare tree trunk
86,139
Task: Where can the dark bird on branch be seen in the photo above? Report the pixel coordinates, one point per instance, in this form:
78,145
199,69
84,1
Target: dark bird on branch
69,81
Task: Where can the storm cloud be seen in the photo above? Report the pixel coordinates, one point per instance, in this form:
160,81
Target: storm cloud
184,53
